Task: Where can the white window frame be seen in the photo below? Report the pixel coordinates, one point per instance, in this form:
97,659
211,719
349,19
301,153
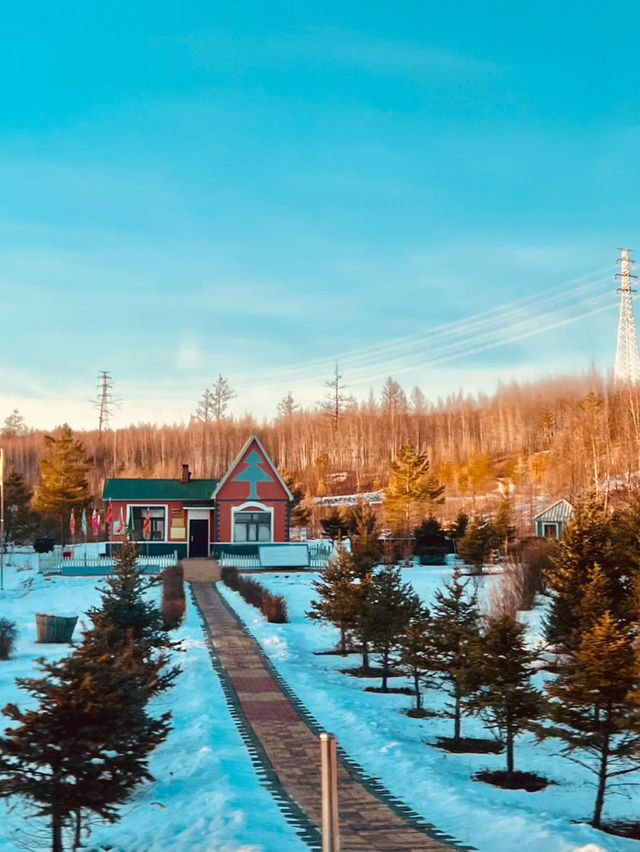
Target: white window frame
250,506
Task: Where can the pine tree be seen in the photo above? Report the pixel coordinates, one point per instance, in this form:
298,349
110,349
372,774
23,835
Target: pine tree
14,425
459,526
501,679
300,513
85,746
222,396
287,406
416,654
339,596
504,526
126,612
205,406
590,539
595,711
64,484
335,401
19,521
479,542
413,490
455,632
334,526
389,607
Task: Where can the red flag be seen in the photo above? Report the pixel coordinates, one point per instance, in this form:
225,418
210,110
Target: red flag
146,526
109,518
121,528
72,522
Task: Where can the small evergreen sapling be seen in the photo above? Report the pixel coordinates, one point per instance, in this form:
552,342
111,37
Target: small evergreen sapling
416,655
594,708
8,636
501,678
478,543
338,597
455,631
389,607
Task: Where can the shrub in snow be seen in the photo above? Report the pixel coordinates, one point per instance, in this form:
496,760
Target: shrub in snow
230,577
173,597
8,636
273,607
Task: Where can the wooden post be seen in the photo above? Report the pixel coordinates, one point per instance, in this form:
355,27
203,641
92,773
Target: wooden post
329,767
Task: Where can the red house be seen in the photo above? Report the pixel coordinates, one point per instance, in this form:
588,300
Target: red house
248,507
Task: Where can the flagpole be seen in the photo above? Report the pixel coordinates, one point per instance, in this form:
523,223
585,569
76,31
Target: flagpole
1,520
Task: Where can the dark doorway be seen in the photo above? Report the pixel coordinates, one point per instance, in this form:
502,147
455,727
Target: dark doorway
198,538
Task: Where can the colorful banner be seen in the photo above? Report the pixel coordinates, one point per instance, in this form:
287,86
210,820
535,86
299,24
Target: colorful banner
146,526
72,522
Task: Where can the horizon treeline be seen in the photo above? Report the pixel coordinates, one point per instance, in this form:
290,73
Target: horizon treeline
557,436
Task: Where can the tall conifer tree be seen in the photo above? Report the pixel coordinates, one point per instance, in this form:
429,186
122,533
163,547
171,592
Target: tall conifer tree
455,624
595,712
412,492
501,673
63,484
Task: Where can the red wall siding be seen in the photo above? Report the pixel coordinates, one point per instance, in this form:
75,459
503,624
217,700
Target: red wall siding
172,505
266,488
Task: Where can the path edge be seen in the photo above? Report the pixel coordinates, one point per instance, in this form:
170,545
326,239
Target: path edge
294,814
370,783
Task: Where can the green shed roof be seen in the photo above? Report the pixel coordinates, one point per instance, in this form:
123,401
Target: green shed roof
158,489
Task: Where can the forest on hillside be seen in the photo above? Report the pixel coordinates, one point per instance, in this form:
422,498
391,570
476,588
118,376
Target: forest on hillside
555,437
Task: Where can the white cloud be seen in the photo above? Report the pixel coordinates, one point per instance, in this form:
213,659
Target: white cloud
187,356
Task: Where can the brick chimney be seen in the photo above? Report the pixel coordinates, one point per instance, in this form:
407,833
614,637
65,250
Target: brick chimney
186,473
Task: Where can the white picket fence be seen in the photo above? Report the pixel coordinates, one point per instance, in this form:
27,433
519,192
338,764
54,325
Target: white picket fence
227,559
52,563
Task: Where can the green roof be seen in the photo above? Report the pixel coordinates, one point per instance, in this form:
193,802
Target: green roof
158,489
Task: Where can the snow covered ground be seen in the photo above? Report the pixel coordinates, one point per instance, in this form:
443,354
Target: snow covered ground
206,797
396,748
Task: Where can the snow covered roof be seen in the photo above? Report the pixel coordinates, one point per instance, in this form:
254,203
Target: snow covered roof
558,512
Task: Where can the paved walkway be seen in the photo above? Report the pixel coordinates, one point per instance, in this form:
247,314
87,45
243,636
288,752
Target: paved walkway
283,740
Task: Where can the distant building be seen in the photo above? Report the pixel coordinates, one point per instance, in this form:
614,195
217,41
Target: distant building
550,523
249,506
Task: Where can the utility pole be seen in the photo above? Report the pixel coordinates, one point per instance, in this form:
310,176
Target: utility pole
627,367
105,402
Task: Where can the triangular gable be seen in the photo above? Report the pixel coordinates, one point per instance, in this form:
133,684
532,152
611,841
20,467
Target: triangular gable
253,476
557,512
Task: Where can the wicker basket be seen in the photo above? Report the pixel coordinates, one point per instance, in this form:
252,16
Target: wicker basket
55,628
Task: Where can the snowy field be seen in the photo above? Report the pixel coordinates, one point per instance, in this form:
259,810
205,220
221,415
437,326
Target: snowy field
206,797
396,748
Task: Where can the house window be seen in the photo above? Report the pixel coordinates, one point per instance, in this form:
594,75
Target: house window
252,526
550,530
156,515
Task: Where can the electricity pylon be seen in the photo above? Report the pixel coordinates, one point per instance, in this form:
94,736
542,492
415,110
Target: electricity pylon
627,367
105,401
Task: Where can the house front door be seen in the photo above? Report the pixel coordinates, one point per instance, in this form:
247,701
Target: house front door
198,537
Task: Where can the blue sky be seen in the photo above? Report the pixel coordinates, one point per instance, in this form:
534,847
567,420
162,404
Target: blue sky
255,189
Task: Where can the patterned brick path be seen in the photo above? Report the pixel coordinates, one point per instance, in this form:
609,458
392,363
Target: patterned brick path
283,739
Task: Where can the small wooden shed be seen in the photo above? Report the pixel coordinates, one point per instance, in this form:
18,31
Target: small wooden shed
550,523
